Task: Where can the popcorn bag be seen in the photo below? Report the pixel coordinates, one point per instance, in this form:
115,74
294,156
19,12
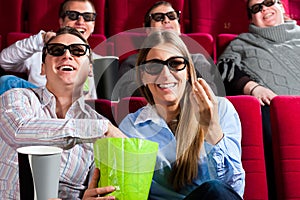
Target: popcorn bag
126,163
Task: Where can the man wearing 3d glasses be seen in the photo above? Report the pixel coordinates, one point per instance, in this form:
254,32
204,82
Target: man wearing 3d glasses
25,55
55,115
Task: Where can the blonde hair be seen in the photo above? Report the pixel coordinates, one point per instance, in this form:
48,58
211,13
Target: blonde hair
189,135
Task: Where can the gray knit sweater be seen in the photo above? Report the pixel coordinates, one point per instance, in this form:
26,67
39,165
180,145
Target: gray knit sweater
270,56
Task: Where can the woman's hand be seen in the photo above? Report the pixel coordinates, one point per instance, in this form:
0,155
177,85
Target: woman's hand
208,108
264,95
93,192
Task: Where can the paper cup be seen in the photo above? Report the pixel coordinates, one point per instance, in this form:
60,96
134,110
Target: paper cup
39,170
126,163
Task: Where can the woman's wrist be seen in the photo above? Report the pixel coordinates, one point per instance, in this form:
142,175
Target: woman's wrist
253,88
248,88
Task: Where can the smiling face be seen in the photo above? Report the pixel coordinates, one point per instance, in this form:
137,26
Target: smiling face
168,86
268,16
66,71
85,27
166,23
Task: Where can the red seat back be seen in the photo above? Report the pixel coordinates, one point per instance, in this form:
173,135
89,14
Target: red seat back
104,107
200,43
223,41
129,105
294,10
218,16
11,17
285,115
253,158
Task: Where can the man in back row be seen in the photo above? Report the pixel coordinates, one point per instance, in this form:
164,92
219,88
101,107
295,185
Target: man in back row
25,55
161,15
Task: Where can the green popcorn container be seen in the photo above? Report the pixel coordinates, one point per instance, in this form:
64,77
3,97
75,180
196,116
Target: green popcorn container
126,163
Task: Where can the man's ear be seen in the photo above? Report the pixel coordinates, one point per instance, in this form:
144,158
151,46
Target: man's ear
43,69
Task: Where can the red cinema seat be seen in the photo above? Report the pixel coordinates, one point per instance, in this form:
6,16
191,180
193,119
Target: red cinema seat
104,107
285,115
294,10
11,17
199,43
253,158
13,37
218,16
125,15
127,43
223,41
100,45
128,105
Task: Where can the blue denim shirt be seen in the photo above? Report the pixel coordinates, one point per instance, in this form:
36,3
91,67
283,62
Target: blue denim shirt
221,161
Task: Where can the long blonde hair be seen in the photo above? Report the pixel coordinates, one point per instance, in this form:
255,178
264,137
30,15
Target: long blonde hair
189,135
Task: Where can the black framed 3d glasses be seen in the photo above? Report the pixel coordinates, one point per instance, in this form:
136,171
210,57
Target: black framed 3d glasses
58,49
259,6
155,66
74,15
161,16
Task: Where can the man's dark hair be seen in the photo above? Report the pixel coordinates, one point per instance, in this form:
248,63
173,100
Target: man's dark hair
61,31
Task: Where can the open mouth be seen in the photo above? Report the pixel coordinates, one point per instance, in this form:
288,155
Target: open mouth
66,68
267,16
166,86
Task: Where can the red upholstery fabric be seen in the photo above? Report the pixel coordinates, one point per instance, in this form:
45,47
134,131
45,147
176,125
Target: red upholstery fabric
96,39
104,107
253,158
205,40
128,43
11,17
0,42
13,37
218,16
43,14
129,105
285,115
294,10
222,42
129,14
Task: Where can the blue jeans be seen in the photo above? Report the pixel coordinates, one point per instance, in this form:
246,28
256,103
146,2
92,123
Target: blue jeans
213,190
9,81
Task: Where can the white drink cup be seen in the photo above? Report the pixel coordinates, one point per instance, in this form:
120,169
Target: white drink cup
39,171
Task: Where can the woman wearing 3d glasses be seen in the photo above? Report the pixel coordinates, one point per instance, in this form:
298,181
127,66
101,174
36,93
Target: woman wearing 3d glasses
25,55
55,115
260,62
264,62
199,134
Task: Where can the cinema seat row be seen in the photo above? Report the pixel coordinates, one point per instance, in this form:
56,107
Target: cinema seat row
212,24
